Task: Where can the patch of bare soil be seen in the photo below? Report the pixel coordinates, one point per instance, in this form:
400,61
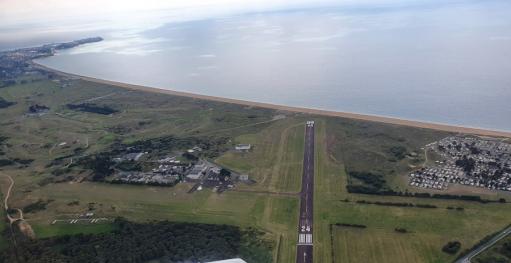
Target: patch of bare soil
26,229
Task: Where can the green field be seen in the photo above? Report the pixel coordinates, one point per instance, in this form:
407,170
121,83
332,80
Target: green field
276,161
431,228
375,245
275,164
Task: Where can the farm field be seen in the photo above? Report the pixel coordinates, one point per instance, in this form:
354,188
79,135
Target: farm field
271,203
373,245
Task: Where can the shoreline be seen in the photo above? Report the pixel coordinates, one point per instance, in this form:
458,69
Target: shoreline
348,115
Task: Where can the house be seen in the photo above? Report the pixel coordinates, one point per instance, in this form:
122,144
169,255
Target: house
243,147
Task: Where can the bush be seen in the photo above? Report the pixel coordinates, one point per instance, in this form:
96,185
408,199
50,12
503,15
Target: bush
401,230
451,247
425,206
34,207
129,166
5,104
100,164
350,225
399,152
5,162
190,156
6,83
374,181
92,108
506,249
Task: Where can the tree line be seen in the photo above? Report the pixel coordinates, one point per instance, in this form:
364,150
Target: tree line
136,242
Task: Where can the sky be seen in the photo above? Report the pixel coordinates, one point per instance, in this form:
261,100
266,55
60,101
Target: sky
26,20
14,12
34,22
28,11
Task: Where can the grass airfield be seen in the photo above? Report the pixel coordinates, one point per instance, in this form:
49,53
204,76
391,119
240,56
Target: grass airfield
275,163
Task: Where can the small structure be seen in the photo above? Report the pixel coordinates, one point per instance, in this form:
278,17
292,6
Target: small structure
243,177
167,160
243,147
234,260
129,157
38,109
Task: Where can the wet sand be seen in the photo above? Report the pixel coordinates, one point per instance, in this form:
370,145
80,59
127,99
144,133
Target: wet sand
349,115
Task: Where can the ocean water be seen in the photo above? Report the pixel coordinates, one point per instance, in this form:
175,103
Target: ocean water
442,63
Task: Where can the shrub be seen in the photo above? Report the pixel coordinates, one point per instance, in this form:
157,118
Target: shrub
452,247
401,230
351,225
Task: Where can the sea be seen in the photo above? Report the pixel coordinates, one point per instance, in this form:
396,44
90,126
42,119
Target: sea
447,62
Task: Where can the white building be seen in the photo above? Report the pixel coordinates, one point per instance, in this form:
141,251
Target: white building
243,147
234,260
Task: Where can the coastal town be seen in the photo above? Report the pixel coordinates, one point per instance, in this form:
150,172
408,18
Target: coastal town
466,160
15,63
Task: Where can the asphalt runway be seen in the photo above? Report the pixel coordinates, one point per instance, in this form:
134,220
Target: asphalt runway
304,251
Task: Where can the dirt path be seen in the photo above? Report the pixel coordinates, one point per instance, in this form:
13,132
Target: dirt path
24,227
425,157
98,98
70,162
6,203
50,151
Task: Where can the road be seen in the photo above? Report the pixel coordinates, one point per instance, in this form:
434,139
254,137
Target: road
467,258
305,241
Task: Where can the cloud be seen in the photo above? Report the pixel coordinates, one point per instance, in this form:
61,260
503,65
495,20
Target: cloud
319,38
130,44
207,56
210,67
500,38
26,11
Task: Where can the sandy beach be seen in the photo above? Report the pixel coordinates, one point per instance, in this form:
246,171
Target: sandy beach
382,119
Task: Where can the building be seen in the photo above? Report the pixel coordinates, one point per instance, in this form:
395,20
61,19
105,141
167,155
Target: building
243,147
197,171
234,260
243,177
